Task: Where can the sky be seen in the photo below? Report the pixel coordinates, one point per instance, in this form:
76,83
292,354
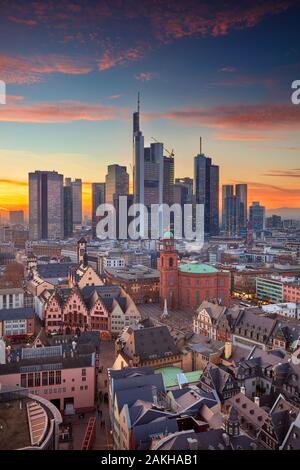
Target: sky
220,70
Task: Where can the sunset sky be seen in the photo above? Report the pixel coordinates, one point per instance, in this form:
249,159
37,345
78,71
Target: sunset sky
222,70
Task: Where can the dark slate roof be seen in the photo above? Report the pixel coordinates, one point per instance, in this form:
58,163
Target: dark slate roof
261,324
133,382
218,376
143,434
43,363
22,313
214,439
103,291
131,372
292,441
154,342
130,396
54,270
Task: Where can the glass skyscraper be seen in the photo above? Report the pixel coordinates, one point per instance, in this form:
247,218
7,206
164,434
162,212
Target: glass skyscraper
46,205
98,197
206,191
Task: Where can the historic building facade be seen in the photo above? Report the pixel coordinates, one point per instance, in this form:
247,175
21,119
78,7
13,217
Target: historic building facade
188,285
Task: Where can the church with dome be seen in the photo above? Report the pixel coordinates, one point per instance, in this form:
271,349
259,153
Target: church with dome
187,285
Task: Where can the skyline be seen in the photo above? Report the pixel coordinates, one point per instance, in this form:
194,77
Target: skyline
72,87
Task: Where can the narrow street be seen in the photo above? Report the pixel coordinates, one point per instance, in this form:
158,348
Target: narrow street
79,425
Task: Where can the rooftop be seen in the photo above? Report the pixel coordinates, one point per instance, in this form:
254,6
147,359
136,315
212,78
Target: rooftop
195,268
14,431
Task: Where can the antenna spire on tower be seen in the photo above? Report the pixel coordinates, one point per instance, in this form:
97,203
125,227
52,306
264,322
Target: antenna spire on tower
138,108
200,145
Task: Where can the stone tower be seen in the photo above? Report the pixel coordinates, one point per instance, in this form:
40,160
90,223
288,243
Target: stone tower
168,269
81,252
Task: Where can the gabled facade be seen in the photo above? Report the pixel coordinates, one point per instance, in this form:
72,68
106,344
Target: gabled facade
107,309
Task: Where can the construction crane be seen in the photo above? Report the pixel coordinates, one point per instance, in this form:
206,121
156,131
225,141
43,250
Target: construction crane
171,154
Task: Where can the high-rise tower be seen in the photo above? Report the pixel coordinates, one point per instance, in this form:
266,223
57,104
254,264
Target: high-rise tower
206,191
46,205
138,157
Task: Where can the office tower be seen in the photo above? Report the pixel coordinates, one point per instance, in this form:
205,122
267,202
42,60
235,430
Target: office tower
16,217
227,191
153,174
77,199
68,211
206,191
187,189
214,200
122,226
257,218
116,182
231,215
46,208
138,158
98,197
234,210
168,180
274,222
241,191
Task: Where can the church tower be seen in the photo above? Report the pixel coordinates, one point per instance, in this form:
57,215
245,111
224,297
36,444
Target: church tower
232,423
168,269
81,252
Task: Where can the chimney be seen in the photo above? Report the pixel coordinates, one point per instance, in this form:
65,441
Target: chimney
256,401
228,350
243,390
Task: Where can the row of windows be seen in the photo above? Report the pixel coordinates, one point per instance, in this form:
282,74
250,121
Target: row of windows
39,379
49,390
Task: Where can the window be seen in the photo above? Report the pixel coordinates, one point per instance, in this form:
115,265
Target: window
37,379
58,377
30,380
44,378
51,377
23,381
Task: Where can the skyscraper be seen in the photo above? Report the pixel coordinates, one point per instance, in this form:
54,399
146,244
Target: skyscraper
138,158
68,211
234,210
77,199
116,183
206,191
257,218
227,191
153,173
214,200
241,190
98,197
168,180
187,185
46,207
231,215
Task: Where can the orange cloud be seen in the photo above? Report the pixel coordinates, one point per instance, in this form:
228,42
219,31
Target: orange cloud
17,70
252,117
61,111
111,59
238,136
